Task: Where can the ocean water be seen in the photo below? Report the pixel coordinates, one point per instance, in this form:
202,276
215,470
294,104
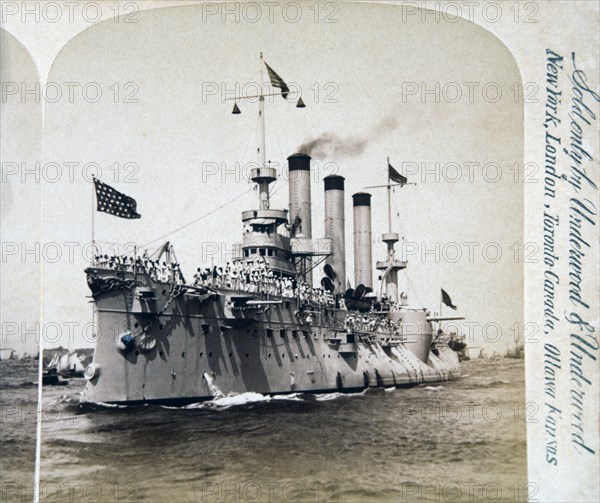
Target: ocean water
461,441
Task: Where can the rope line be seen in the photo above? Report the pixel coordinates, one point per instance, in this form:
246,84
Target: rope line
198,219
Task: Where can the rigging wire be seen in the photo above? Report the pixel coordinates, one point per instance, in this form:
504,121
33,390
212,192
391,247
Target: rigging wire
248,154
251,141
414,290
199,218
397,213
277,186
250,148
403,234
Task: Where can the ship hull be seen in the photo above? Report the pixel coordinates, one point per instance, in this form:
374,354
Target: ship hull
204,345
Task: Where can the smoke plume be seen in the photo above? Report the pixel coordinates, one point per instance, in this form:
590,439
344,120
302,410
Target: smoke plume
333,146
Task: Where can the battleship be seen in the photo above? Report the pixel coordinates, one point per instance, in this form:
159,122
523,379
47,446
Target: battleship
258,324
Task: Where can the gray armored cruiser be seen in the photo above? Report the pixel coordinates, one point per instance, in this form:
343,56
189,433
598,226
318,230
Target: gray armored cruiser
257,324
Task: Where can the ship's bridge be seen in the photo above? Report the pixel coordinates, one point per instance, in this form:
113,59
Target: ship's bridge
262,241
266,217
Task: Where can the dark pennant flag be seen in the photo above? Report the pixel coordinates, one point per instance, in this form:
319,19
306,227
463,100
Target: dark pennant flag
114,202
447,300
277,81
395,176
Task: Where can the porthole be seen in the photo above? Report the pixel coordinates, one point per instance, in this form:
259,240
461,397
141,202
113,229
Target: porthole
183,354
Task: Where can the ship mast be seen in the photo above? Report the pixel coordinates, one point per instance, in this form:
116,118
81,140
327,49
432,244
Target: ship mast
261,114
264,175
261,240
390,266
389,194
265,180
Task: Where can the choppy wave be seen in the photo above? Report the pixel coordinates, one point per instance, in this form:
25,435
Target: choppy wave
224,402
499,383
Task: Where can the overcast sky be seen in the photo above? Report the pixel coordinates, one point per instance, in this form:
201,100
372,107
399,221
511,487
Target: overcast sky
361,64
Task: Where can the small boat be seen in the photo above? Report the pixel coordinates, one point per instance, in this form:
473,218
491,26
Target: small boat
51,378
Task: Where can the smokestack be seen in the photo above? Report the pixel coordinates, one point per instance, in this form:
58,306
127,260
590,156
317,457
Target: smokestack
334,228
363,267
300,215
299,185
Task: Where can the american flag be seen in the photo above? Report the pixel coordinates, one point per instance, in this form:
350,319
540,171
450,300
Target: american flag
277,81
114,202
